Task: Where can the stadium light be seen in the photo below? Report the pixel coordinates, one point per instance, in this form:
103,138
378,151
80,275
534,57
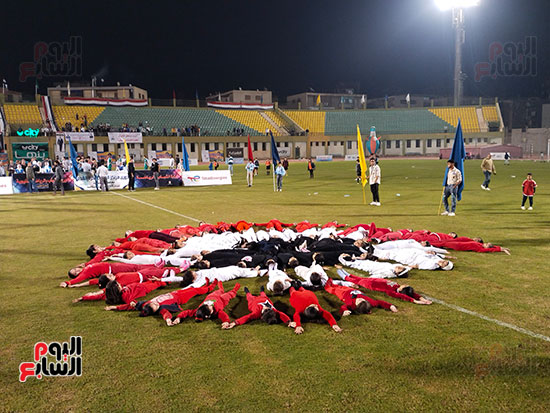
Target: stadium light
457,6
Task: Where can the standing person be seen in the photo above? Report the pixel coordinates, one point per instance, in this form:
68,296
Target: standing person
145,163
285,165
311,167
29,171
507,158
529,187
131,174
358,171
172,162
230,164
102,173
267,166
488,168
216,165
250,172
58,181
454,179
374,181
279,173
109,162
256,166
155,169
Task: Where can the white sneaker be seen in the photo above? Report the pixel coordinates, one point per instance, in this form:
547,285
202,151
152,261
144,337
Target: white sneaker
523,208
487,189
445,213
372,203
530,208
482,187
378,204
451,214
156,189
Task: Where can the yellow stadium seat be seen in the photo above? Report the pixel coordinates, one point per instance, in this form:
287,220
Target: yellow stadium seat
490,113
23,116
467,115
312,120
66,114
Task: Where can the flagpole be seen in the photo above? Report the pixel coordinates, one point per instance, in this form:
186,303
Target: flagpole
364,199
441,200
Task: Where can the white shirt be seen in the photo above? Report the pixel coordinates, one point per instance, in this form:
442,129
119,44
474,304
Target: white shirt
102,171
374,268
220,274
374,174
410,256
407,243
278,275
305,274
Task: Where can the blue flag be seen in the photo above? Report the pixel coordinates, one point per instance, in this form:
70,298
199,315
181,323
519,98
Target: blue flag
73,158
274,152
457,155
184,155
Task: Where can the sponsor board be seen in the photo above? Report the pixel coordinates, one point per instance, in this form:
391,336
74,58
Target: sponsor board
350,157
6,185
323,158
204,178
76,136
28,150
129,137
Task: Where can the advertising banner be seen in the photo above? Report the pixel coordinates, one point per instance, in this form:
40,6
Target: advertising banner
167,177
350,158
28,150
235,152
284,152
205,155
76,136
205,178
4,161
44,182
215,155
323,158
129,137
6,185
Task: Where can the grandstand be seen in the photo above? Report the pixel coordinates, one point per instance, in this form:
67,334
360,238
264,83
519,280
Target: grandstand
490,113
23,116
466,114
65,114
251,118
314,121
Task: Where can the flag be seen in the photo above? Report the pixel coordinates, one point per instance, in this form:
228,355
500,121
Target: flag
250,154
126,152
4,85
361,156
219,97
36,86
184,155
274,152
68,88
72,152
457,155
318,100
363,100
408,98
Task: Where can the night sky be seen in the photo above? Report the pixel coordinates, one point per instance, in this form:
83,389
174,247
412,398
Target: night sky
378,47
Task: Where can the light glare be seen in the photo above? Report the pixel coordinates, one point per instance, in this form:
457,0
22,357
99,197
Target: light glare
455,4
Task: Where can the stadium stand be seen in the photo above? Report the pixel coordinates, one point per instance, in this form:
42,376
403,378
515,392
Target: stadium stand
275,117
210,121
250,118
314,121
23,116
490,113
467,115
65,114
393,121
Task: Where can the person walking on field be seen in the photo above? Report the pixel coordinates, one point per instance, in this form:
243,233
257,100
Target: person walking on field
454,179
311,167
102,173
507,158
358,171
250,167
267,166
58,175
488,168
285,165
374,181
529,187
280,172
155,168
131,174
29,171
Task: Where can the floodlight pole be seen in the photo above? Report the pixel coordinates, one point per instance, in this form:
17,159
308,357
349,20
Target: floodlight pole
458,24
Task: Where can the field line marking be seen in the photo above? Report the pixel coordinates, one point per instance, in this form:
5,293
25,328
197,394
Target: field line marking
157,207
492,320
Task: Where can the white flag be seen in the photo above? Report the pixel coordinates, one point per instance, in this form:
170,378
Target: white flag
408,98
68,88
363,100
219,97
4,83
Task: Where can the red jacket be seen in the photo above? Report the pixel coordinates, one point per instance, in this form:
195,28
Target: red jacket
380,284
97,269
301,299
125,278
469,246
133,291
178,297
255,305
219,299
349,295
529,186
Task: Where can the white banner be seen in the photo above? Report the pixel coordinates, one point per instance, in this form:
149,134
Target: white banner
498,156
203,178
129,137
193,161
323,158
77,136
350,158
115,179
105,101
6,185
284,152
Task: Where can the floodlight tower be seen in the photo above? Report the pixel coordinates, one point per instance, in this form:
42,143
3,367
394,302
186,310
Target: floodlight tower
457,7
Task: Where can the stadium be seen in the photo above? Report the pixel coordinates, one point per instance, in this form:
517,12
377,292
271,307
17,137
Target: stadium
229,226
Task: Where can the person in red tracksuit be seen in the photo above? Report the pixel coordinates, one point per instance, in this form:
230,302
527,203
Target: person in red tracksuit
126,296
529,187
211,307
148,244
261,307
305,302
355,300
169,303
473,246
403,292
99,268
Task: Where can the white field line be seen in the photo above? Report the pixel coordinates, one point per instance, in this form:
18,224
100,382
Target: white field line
491,320
435,300
157,207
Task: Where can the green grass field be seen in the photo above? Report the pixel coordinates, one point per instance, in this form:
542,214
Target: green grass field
422,358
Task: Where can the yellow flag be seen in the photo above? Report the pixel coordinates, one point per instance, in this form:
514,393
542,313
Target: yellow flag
126,152
362,160
318,100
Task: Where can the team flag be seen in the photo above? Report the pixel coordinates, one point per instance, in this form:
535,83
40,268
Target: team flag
72,152
318,100
250,153
458,155
274,152
126,152
184,155
361,155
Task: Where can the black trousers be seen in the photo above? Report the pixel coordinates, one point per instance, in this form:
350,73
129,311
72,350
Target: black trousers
525,199
131,180
374,190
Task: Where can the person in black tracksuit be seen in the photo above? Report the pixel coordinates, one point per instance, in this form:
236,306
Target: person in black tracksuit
131,174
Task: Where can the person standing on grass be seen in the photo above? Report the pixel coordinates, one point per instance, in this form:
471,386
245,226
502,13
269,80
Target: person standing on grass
256,166
102,174
230,164
507,158
267,166
529,187
279,173
285,164
374,181
155,168
311,167
131,174
29,171
58,181
454,179
250,167
358,171
488,168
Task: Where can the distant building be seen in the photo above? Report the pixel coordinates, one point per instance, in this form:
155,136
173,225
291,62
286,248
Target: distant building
243,96
57,94
307,100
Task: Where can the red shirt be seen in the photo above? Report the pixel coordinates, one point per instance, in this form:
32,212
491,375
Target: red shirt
97,269
133,291
256,306
469,246
218,299
529,186
301,299
125,278
349,296
380,284
178,297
